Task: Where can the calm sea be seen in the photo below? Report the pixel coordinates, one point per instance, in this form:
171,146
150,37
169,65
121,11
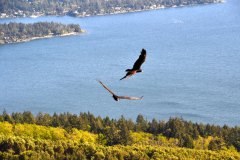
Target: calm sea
192,69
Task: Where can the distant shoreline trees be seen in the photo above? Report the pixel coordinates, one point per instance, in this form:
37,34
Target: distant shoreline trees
22,8
19,32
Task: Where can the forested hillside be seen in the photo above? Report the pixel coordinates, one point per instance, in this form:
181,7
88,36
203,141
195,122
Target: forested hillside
66,134
31,141
20,8
18,32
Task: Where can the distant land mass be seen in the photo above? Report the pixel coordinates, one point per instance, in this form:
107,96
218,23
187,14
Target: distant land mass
82,8
20,32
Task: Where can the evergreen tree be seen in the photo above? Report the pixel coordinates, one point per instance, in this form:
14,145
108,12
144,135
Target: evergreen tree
142,124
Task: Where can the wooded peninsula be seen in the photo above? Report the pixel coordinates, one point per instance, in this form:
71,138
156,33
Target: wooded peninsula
85,136
82,8
20,32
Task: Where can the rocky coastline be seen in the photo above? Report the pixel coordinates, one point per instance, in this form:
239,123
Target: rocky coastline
9,40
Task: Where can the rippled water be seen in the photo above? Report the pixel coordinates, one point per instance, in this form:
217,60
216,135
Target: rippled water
192,69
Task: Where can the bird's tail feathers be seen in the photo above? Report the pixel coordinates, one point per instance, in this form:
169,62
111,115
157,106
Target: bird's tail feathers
123,77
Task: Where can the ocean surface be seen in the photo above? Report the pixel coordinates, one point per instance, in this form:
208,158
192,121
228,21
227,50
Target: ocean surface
192,68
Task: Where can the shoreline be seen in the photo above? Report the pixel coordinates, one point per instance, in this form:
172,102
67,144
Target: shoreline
2,42
124,11
43,37
148,9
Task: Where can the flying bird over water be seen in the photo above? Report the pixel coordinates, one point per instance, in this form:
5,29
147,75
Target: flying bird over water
137,65
117,98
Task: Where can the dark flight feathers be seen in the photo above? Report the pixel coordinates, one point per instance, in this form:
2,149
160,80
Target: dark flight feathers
140,60
117,98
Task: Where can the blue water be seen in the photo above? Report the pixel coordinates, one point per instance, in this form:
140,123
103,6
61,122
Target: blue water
192,68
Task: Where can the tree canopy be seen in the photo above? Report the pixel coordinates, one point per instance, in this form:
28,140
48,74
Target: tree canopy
111,132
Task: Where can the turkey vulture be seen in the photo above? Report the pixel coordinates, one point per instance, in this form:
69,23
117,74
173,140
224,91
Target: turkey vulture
137,65
117,98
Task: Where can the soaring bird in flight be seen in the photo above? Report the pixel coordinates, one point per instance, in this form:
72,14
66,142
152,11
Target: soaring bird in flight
137,65
117,98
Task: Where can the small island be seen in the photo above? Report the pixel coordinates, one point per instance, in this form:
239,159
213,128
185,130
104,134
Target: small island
20,32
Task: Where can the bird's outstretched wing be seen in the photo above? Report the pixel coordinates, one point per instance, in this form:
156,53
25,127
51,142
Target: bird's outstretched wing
120,97
140,60
106,87
130,98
